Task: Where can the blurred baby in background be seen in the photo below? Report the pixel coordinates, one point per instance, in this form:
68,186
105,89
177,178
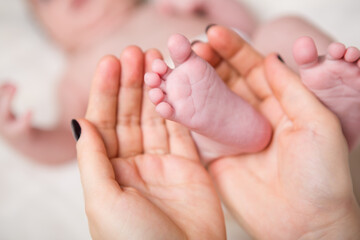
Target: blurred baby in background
87,30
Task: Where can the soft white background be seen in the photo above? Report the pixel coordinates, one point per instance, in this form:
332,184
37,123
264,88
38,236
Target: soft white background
41,203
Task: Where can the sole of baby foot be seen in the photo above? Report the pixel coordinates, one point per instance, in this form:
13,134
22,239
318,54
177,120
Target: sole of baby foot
334,79
193,95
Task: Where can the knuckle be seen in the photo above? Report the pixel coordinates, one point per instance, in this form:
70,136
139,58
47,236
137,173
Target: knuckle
129,120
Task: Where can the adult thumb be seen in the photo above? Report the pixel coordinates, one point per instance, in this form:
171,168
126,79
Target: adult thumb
298,103
95,167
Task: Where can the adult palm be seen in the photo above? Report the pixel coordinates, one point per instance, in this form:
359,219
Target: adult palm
142,177
299,186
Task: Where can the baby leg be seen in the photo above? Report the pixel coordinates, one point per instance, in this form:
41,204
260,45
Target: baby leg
195,96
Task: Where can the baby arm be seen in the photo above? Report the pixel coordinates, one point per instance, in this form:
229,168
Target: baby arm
49,146
52,146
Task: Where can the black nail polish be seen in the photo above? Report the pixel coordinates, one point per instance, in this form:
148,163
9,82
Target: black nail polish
280,58
76,129
194,42
208,27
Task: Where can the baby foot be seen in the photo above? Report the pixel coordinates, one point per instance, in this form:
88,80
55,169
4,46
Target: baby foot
194,95
335,80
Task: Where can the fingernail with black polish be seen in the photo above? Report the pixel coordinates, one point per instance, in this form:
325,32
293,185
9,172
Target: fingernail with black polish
76,129
208,27
280,58
194,42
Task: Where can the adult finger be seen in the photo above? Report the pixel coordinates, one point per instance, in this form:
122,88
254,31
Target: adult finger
96,171
298,103
205,51
103,98
155,136
181,142
130,100
234,49
241,56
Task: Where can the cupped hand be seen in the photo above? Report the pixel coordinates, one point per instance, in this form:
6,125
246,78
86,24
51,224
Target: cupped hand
141,176
300,185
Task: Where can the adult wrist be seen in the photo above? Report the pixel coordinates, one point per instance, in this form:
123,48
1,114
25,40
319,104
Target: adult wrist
346,227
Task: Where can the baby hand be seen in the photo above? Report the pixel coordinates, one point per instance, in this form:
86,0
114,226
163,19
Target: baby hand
11,126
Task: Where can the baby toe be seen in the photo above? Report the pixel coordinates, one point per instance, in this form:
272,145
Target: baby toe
352,54
180,48
305,51
152,80
165,110
336,50
156,95
159,67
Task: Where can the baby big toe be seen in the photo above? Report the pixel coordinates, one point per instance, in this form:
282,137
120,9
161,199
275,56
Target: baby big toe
304,51
180,48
